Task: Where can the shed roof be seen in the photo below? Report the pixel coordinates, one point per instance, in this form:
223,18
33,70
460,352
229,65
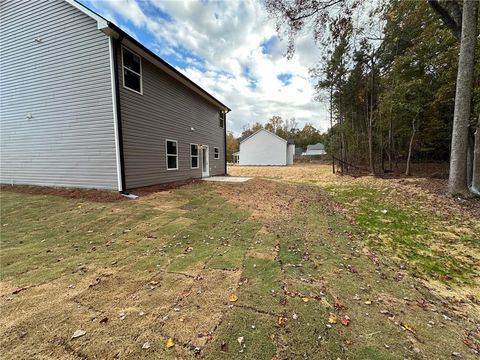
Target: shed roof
258,131
113,30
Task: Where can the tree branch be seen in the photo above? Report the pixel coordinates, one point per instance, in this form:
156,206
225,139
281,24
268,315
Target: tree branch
450,18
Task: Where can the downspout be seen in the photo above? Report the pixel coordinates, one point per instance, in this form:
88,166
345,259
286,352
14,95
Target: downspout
225,140
121,162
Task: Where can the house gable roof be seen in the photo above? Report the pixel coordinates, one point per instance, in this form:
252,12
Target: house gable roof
113,30
268,132
318,146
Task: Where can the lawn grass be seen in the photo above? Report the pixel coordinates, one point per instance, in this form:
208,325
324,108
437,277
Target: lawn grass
165,266
409,231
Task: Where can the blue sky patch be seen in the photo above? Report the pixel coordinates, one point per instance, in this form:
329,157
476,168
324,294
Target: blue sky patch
268,44
285,78
248,75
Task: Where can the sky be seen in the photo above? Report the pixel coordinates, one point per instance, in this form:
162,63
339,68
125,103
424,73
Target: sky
231,49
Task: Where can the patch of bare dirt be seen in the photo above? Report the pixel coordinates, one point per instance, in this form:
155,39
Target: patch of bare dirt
423,183
71,193
267,199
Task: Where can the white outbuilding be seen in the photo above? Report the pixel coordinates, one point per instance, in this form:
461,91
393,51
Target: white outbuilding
265,148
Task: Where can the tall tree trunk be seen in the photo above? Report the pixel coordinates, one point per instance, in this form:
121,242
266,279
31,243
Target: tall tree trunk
331,127
475,188
390,143
382,160
410,146
370,144
457,182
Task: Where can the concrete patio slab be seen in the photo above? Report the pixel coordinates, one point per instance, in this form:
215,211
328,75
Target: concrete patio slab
232,179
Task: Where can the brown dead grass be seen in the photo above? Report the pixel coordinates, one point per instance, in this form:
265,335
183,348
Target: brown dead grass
432,189
201,308
119,313
266,199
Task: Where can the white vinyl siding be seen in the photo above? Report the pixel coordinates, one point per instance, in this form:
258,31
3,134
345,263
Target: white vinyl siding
263,148
57,122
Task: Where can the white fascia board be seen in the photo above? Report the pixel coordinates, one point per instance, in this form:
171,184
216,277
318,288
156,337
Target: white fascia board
101,22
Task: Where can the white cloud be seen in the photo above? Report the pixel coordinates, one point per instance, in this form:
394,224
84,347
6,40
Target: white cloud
224,55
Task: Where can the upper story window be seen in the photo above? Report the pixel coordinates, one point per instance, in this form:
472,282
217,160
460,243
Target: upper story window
132,71
216,153
172,154
221,119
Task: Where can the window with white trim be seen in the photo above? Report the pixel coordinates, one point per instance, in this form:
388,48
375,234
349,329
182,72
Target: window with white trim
172,154
221,119
216,153
194,156
132,71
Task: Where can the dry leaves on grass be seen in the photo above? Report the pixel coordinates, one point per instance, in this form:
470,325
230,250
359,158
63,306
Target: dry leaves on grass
170,343
78,333
278,200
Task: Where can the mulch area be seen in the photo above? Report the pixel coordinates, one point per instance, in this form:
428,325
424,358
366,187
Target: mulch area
92,194
70,193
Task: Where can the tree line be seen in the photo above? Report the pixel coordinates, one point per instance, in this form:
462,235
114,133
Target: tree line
402,82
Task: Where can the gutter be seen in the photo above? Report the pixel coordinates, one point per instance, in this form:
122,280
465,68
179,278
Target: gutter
121,162
225,141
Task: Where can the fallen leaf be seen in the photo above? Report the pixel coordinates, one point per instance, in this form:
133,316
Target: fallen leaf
224,347
281,321
339,305
305,299
345,320
170,343
94,282
408,327
241,342
332,318
368,302
232,297
78,333
146,345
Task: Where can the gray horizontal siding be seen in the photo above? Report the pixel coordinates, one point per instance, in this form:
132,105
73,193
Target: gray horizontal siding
64,83
166,110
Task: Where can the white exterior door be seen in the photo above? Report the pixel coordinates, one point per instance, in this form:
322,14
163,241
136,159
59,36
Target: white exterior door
205,161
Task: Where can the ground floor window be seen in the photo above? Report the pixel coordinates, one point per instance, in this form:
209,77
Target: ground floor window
216,153
172,154
194,156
